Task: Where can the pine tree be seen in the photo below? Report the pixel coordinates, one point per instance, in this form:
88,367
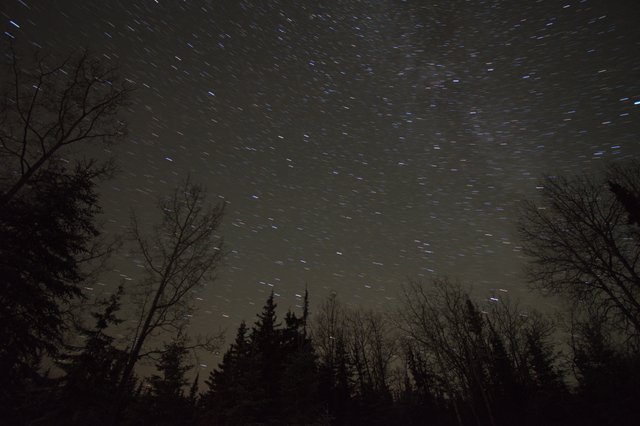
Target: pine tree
269,377
299,383
266,341
166,402
230,396
44,234
170,384
47,204
92,371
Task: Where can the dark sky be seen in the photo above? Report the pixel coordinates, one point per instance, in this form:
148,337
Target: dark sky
358,142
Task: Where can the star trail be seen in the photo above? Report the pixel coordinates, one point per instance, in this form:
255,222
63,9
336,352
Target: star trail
357,143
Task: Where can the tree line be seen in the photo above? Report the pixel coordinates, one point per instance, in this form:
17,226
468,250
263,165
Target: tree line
444,357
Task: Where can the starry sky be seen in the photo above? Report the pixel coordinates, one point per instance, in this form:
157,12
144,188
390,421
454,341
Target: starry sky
357,142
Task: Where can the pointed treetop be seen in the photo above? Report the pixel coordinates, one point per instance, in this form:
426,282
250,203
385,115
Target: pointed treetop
266,323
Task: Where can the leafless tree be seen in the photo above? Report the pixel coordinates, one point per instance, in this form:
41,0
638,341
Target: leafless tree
433,319
366,337
472,351
583,243
180,257
372,348
329,328
49,106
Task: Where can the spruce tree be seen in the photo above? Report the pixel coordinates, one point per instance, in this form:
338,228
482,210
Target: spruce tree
229,398
44,234
92,371
299,384
266,340
48,203
166,402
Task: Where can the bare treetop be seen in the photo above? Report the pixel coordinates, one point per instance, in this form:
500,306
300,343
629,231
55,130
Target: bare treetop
53,105
584,244
180,255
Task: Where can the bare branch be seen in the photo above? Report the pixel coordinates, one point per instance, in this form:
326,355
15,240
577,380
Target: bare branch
580,245
74,101
186,252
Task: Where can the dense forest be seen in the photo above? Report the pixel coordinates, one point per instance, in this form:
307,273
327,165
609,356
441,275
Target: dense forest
444,357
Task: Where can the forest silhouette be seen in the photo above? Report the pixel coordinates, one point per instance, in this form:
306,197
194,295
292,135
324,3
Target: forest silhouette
443,357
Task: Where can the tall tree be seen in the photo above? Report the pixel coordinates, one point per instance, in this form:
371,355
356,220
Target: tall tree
167,403
268,375
44,236
329,328
48,204
356,349
172,366
487,361
229,399
433,317
49,106
583,243
92,370
266,341
299,383
180,257
334,365
245,389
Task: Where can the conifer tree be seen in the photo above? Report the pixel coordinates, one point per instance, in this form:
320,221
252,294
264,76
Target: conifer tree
92,371
268,377
299,382
48,204
229,398
172,367
166,402
266,340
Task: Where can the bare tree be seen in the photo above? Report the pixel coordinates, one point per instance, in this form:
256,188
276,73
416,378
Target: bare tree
372,348
329,329
363,340
490,355
584,244
179,258
50,106
433,319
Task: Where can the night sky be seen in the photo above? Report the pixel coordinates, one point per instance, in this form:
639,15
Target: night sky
358,143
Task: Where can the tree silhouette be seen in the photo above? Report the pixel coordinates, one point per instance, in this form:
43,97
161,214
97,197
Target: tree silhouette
48,204
299,383
623,182
181,257
229,397
92,371
267,376
486,365
267,354
43,237
608,374
47,107
582,245
334,364
166,403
